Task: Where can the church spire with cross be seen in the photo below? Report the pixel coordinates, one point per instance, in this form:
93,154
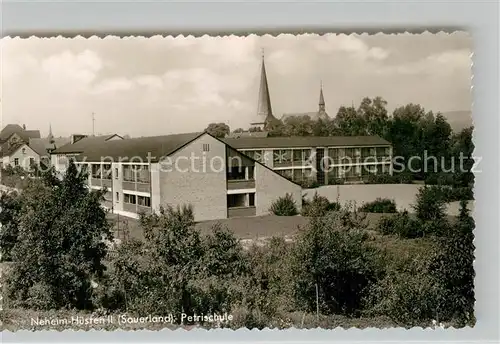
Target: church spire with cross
321,98
50,137
264,108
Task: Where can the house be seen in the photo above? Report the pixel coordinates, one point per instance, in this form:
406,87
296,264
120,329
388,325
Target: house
322,159
142,174
14,146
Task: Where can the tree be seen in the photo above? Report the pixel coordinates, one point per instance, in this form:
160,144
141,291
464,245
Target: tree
374,114
238,130
453,267
176,269
60,247
10,207
331,255
430,205
349,123
219,130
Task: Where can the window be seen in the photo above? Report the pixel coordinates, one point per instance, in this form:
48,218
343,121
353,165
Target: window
106,171
282,156
142,172
255,154
128,173
32,161
206,147
130,199
297,155
236,200
236,173
16,162
144,201
251,199
117,196
116,172
24,150
96,171
251,172
298,175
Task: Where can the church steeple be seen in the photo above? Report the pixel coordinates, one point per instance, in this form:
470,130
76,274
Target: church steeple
321,99
264,108
50,137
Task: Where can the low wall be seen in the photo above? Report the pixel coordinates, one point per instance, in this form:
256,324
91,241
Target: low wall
404,195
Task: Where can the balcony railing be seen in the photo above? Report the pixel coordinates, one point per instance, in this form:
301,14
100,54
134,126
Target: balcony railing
240,184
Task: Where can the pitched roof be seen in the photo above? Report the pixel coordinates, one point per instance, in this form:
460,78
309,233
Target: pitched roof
141,148
305,141
11,129
83,144
8,149
44,145
8,130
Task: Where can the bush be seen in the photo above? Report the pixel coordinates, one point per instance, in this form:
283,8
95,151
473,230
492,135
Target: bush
176,269
309,183
318,206
430,203
453,267
380,205
399,178
402,224
284,206
331,254
336,181
409,295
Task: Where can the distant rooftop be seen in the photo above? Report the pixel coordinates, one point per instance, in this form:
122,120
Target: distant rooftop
153,147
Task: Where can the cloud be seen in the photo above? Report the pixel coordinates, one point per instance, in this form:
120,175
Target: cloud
349,44
444,63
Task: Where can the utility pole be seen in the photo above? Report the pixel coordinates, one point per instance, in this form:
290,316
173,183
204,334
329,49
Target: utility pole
93,124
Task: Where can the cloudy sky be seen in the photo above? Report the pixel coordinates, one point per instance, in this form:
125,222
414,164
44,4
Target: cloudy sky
154,86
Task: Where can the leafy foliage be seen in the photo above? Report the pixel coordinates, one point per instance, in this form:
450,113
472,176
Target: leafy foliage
402,224
430,204
331,255
219,130
380,205
284,206
318,206
10,207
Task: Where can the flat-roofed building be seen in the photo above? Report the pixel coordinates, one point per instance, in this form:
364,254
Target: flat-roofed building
322,159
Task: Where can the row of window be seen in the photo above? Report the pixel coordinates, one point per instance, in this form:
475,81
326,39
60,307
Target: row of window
16,161
135,199
303,155
131,173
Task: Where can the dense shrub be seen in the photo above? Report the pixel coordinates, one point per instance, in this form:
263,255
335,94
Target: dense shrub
10,207
408,294
453,267
331,257
178,270
318,206
59,245
430,204
336,181
284,206
401,224
380,205
309,183
399,178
